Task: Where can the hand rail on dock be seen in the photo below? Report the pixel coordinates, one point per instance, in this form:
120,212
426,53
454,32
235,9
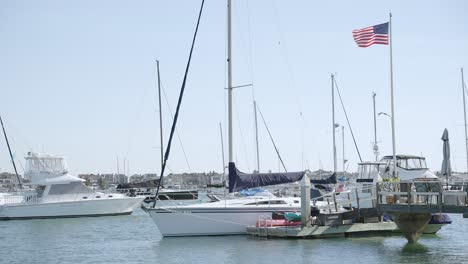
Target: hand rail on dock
426,195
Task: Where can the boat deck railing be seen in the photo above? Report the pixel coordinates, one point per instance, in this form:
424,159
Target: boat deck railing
423,192
19,199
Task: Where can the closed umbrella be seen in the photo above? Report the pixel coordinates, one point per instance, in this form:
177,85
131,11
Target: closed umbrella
446,168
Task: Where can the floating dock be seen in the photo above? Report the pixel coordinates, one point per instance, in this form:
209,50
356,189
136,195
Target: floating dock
351,230
410,205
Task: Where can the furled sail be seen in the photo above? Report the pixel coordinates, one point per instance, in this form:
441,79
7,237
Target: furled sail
239,180
145,184
329,180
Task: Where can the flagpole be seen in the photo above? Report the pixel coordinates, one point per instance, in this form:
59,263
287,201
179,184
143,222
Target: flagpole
375,147
333,121
391,96
464,115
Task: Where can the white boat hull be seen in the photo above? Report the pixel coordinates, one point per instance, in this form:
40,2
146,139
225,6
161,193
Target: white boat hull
118,206
209,221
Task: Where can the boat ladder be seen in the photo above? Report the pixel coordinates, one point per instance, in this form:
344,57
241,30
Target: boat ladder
263,222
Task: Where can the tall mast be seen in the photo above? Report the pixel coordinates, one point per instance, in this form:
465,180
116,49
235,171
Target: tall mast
117,159
333,121
375,147
229,88
464,114
222,149
256,135
344,160
391,96
124,165
11,154
160,116
128,168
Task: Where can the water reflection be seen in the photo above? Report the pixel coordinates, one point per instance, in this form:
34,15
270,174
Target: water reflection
415,248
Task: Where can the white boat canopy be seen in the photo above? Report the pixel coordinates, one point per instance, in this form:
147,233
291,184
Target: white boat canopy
45,169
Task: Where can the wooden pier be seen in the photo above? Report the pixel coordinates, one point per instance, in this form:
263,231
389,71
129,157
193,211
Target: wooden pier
351,230
410,203
423,197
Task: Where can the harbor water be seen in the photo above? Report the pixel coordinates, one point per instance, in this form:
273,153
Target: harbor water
136,239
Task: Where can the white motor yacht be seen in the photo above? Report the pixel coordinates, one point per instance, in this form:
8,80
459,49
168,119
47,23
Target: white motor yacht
410,168
59,194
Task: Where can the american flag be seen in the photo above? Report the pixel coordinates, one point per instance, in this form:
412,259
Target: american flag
368,36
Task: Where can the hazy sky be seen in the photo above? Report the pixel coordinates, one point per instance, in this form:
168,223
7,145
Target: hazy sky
78,79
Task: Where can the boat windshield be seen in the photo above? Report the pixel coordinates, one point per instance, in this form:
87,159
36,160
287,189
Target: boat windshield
412,163
69,188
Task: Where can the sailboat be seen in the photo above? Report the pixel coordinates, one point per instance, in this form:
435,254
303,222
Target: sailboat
148,189
228,216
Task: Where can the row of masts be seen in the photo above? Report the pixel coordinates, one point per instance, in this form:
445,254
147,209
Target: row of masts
334,124
230,125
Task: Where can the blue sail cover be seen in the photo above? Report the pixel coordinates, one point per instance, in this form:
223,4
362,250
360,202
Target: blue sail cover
239,180
329,180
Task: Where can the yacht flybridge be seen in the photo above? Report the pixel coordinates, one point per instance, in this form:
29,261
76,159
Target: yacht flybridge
59,194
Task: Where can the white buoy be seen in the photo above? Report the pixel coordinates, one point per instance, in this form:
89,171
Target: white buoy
305,201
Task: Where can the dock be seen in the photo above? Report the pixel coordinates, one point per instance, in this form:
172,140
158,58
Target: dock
410,203
351,230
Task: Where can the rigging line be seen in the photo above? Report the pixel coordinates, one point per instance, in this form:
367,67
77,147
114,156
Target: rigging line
252,77
250,57
285,54
290,71
169,169
17,143
23,141
177,131
21,165
347,120
135,118
244,146
466,91
271,138
179,102
11,155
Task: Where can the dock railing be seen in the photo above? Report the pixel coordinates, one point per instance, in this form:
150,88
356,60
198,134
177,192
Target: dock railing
423,193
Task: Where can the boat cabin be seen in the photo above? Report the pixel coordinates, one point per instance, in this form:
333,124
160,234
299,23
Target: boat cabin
370,171
409,168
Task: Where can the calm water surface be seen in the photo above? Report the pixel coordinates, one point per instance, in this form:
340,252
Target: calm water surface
135,239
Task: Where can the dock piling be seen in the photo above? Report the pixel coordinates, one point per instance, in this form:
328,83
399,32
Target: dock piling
305,201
